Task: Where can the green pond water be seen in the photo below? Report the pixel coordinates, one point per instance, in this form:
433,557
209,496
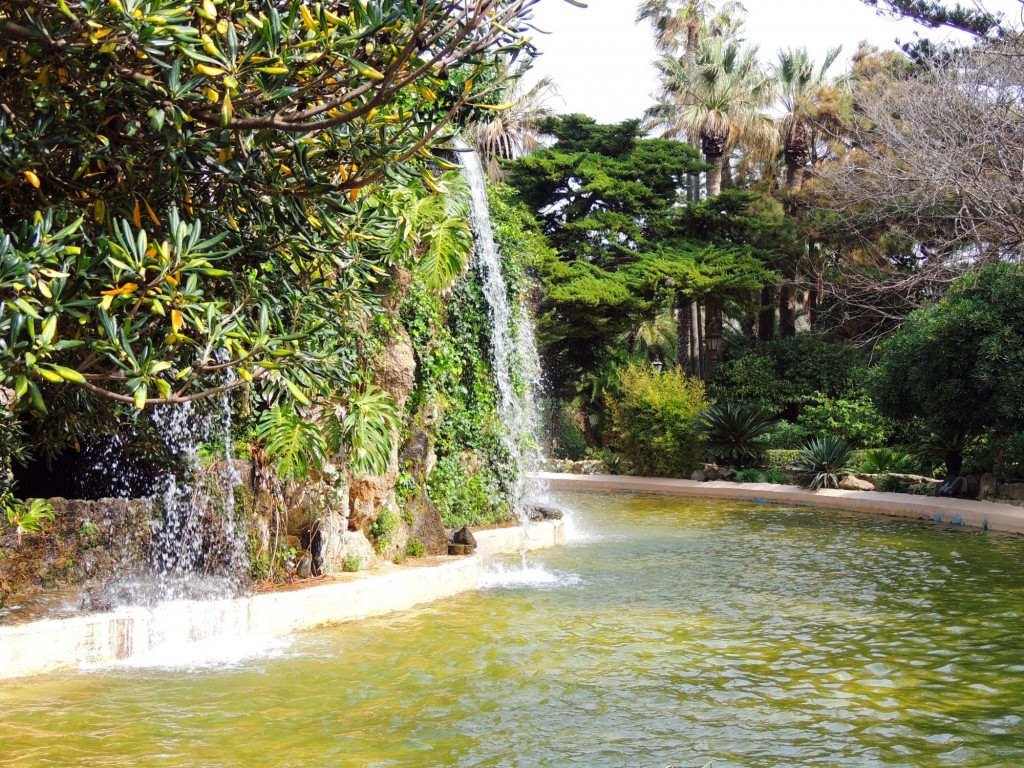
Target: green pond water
674,633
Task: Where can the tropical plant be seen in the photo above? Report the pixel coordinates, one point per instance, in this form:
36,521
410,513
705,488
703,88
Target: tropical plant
880,461
24,518
808,108
514,132
715,100
369,428
293,443
738,434
775,476
822,460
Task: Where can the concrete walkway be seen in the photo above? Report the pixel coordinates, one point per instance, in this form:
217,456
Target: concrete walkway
985,515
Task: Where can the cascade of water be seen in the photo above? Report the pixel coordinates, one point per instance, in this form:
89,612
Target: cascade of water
197,548
516,364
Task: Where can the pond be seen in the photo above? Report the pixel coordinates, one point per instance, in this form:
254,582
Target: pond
667,633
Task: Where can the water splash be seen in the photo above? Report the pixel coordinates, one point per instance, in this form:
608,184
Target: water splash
516,364
198,547
529,575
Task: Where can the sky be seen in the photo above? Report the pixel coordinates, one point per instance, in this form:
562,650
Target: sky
601,60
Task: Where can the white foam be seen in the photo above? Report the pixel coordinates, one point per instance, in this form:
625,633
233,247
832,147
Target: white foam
221,651
496,575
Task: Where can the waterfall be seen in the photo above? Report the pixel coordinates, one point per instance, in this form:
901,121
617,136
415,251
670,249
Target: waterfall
515,362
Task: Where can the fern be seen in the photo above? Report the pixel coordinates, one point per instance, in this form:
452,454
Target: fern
293,444
370,422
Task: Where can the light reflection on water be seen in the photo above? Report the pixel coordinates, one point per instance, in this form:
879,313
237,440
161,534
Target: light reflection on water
676,633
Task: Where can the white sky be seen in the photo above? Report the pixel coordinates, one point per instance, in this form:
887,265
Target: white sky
601,60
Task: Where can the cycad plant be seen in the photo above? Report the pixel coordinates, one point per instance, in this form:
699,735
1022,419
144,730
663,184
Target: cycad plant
880,461
738,434
822,460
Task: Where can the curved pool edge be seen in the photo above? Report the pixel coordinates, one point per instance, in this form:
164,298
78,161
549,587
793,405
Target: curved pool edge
984,515
67,644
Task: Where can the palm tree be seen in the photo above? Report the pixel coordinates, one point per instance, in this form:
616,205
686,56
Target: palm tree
802,91
514,132
716,100
812,107
685,26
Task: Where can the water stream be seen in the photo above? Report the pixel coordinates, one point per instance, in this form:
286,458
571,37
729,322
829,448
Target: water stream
676,633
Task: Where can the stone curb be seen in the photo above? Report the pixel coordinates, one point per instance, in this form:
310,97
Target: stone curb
984,515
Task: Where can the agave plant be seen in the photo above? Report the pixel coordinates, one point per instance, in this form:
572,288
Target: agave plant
823,459
738,434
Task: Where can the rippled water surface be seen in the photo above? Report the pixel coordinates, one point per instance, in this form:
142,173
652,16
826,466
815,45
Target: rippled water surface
672,633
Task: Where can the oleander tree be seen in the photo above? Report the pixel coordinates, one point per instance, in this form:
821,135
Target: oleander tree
200,195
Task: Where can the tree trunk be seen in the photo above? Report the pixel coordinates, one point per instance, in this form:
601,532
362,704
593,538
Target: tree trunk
697,344
683,333
794,176
713,332
766,317
727,182
714,174
748,325
693,187
787,311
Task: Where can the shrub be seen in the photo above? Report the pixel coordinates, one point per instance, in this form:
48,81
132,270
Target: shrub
415,548
788,435
463,497
781,459
776,477
779,375
612,464
383,527
735,433
854,418
890,484
880,461
652,421
822,460
352,563
749,476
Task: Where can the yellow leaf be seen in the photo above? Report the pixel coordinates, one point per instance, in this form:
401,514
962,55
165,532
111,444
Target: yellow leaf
212,95
137,215
209,71
152,214
106,302
31,178
124,290
177,321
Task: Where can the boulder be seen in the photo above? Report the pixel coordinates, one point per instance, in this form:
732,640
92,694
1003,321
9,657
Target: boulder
988,486
464,536
853,483
699,475
1012,491
540,512
460,549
